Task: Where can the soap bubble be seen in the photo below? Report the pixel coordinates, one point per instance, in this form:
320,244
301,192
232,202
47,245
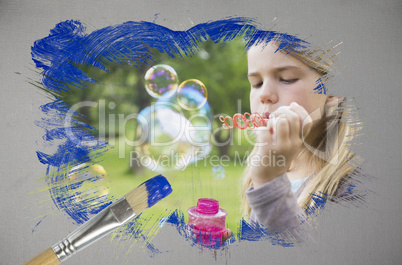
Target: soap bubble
161,80
218,172
192,94
87,185
172,138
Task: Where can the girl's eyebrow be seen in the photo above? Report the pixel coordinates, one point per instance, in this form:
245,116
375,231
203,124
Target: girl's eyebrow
253,74
277,69
283,68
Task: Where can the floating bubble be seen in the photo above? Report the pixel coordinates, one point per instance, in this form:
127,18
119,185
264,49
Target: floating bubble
161,80
192,94
218,172
172,138
87,185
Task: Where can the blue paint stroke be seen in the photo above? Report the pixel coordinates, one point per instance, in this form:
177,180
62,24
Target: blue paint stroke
33,229
134,230
320,88
156,17
68,46
319,201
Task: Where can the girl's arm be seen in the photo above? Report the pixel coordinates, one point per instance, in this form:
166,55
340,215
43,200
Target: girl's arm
272,202
274,205
278,143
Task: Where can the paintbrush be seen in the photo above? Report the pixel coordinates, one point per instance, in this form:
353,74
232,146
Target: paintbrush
114,216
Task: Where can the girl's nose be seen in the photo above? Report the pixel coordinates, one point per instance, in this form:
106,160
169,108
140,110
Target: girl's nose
268,93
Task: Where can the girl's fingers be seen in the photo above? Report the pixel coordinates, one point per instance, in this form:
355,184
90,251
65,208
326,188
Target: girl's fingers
306,120
264,134
293,122
281,130
286,123
271,134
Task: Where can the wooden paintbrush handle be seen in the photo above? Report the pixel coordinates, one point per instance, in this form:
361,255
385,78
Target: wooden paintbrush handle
47,257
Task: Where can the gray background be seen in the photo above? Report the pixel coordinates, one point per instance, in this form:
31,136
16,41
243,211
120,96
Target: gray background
370,72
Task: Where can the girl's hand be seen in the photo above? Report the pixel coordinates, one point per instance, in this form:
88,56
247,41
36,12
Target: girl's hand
279,142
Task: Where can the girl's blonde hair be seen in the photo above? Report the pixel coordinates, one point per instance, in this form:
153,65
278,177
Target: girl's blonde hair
329,154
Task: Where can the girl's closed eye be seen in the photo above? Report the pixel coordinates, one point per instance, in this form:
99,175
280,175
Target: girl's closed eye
289,81
257,85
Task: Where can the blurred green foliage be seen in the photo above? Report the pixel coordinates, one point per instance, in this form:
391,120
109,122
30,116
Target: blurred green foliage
222,67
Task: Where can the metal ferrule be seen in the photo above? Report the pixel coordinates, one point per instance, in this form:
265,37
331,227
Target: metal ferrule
117,214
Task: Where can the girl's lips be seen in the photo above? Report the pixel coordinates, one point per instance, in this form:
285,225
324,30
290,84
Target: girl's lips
265,115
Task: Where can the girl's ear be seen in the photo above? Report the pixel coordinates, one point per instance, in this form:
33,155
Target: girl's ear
333,101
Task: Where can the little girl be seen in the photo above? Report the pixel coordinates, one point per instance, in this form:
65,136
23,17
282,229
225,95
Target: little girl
305,128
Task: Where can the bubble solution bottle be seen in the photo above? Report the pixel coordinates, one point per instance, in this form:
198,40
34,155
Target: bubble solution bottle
207,222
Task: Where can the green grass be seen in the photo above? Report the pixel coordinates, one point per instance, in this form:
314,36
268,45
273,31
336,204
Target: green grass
196,181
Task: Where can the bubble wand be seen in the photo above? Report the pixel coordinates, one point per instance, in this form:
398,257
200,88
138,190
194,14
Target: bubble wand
255,119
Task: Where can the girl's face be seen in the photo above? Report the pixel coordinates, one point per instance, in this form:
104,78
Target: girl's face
278,79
